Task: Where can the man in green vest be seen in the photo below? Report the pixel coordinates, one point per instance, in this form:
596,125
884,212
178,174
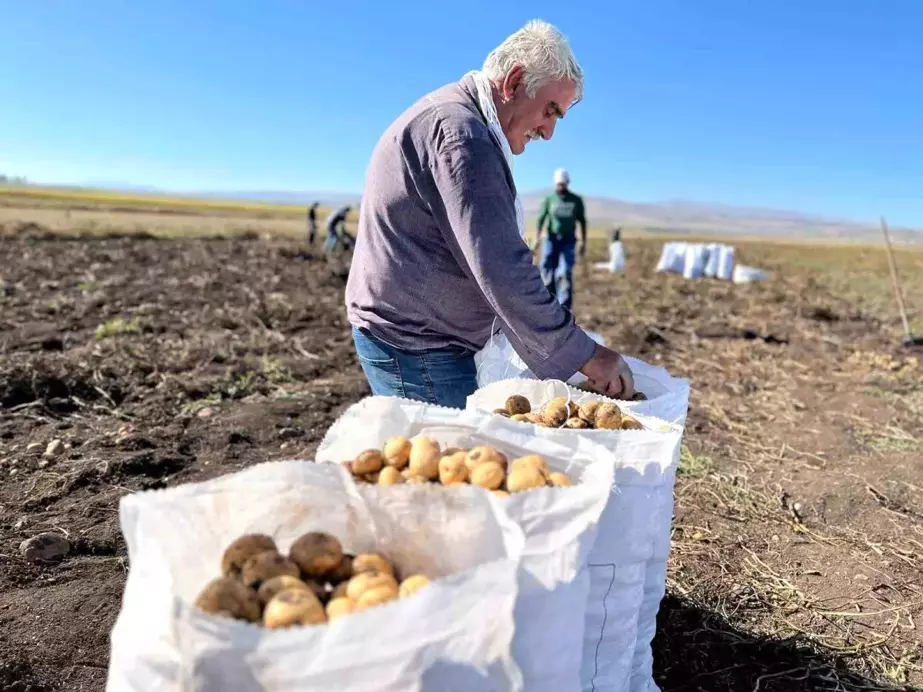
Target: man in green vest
564,210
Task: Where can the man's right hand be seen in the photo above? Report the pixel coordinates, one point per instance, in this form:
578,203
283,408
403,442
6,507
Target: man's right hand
608,374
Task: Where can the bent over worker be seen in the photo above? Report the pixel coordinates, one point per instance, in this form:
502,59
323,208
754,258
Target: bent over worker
440,259
563,210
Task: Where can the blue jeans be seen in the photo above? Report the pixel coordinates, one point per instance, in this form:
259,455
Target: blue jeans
445,376
561,251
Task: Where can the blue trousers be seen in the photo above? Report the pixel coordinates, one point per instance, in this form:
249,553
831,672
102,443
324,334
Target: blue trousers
446,376
561,251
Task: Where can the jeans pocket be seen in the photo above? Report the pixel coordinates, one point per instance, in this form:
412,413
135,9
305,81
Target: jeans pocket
370,351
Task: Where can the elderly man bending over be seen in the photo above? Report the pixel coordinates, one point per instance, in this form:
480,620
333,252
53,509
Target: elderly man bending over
440,260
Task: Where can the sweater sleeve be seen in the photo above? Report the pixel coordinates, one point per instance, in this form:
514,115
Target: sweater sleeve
475,210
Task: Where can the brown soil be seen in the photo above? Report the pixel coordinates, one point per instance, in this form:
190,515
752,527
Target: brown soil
798,532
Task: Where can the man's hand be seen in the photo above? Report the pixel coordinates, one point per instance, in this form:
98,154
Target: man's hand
581,248
608,373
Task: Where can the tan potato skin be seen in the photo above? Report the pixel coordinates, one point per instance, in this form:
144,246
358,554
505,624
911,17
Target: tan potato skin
317,554
488,474
531,460
587,412
227,595
629,423
339,607
518,404
576,424
376,596
276,585
424,458
370,461
371,562
396,452
479,455
525,477
367,581
389,475
242,549
264,566
452,469
293,607
559,480
555,413
412,584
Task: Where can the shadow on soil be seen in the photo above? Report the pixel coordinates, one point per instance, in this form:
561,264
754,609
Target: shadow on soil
697,650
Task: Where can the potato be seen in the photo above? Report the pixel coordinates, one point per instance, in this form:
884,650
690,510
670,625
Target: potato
500,493
536,418
412,584
608,417
269,588
227,596
371,562
317,554
576,424
343,572
479,455
293,607
338,607
488,474
524,477
339,591
556,412
518,404
521,418
502,412
242,550
366,581
559,480
396,452
376,596
264,566
369,461
389,475
629,423
452,469
424,458
371,477
531,460
587,412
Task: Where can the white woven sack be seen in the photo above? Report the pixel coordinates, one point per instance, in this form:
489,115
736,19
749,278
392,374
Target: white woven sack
453,635
559,523
628,561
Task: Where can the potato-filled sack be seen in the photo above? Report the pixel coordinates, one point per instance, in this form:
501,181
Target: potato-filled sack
288,576
555,492
661,395
629,559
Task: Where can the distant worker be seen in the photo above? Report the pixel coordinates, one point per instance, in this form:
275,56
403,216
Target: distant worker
616,251
312,223
336,230
563,210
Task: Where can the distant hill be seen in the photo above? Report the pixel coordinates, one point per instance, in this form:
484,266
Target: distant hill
672,216
680,216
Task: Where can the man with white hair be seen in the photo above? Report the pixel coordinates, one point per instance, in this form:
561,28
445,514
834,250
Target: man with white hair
440,260
564,211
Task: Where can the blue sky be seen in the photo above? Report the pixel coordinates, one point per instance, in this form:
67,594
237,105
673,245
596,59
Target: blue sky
814,106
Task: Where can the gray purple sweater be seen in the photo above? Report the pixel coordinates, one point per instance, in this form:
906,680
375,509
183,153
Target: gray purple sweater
439,260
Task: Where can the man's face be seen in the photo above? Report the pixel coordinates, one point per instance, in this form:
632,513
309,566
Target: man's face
561,188
524,119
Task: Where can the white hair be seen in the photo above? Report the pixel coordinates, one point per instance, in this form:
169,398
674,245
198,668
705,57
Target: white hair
543,53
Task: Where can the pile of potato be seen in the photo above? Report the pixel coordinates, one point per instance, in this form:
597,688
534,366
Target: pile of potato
315,583
561,413
421,460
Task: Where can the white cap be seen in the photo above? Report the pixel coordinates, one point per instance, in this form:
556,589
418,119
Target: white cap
560,176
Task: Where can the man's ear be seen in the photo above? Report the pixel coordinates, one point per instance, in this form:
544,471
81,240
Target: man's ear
512,82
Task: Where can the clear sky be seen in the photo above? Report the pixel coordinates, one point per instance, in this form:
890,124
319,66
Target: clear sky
812,105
